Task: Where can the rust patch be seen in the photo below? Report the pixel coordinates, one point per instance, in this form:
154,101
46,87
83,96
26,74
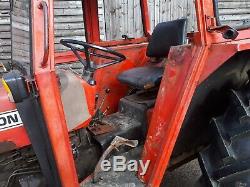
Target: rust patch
7,146
178,53
101,129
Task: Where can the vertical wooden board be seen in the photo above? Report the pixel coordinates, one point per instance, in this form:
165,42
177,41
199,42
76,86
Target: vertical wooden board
101,19
130,17
120,18
167,10
123,17
192,17
114,24
123,20
138,28
125,13
157,11
107,17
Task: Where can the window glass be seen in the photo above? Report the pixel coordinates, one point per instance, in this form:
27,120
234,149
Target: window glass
120,17
68,22
162,10
235,13
20,35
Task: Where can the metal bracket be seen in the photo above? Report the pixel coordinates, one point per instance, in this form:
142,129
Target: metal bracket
210,22
226,31
32,86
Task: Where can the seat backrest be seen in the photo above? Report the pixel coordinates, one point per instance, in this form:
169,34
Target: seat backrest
165,35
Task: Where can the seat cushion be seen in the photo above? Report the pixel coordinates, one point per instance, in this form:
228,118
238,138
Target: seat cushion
142,77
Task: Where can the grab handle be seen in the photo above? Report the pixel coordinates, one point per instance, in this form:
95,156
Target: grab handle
43,5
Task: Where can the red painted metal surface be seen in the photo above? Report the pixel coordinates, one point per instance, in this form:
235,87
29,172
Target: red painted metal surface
50,99
216,57
177,87
145,17
90,10
107,77
187,67
16,137
56,124
50,96
118,45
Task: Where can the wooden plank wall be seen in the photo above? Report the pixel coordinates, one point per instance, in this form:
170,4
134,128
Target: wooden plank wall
124,16
166,10
5,37
20,33
234,12
121,17
102,20
68,21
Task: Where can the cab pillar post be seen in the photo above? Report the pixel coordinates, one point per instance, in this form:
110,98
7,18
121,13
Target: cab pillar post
145,17
91,20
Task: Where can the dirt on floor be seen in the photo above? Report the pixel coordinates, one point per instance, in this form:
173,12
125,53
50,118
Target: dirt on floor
187,175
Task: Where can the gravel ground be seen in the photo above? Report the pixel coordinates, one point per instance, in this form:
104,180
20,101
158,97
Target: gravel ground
186,175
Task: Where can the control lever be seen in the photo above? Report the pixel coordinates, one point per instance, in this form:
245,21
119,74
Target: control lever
99,114
117,142
126,37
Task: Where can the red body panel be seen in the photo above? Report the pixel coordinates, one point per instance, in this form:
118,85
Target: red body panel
12,138
187,67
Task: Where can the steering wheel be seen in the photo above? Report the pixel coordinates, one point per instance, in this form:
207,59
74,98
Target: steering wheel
92,50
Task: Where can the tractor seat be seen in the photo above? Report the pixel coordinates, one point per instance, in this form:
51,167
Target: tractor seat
164,36
142,78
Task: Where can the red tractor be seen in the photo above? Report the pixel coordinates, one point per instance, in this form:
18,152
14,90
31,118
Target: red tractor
157,98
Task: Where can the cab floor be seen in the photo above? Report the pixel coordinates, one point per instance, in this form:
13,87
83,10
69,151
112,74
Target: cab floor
118,179
186,175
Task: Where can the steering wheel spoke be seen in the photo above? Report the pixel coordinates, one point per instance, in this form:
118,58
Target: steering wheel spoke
91,50
83,62
110,55
105,65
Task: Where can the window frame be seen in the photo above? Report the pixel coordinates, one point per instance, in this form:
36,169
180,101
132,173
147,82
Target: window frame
92,30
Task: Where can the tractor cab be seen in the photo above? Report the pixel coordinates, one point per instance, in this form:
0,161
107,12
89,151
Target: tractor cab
102,111
91,79
143,81
105,84
141,78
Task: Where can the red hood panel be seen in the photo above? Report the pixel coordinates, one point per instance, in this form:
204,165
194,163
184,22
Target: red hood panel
12,137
